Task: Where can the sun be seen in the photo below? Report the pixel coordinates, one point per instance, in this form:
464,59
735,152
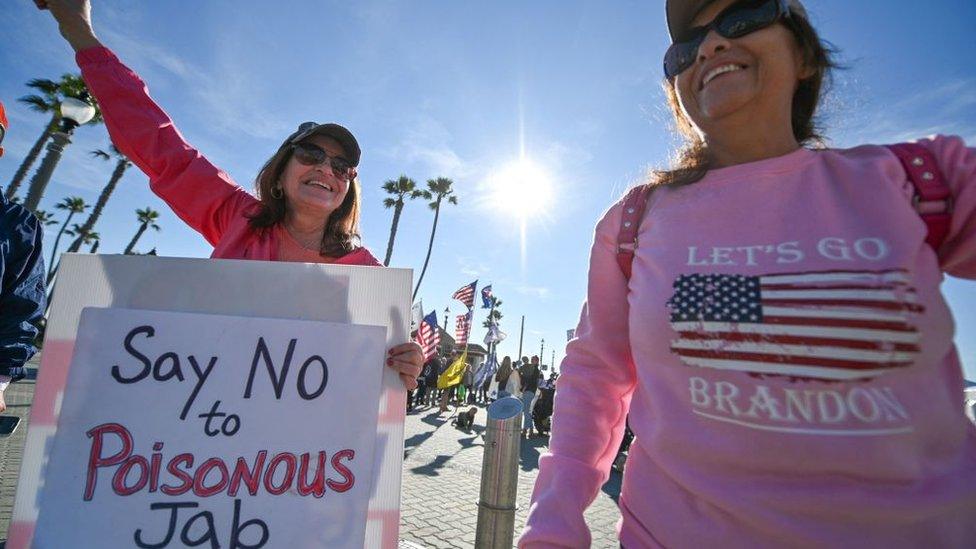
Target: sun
520,188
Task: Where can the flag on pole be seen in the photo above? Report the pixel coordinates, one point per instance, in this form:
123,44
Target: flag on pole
428,335
494,335
452,375
416,315
465,294
487,369
486,297
462,329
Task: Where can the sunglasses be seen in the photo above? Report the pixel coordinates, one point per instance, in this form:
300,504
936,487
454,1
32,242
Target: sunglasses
737,20
310,154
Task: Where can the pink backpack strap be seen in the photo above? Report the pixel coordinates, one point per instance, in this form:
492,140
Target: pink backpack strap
634,205
933,198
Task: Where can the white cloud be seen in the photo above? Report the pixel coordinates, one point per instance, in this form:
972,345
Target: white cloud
540,292
427,145
941,107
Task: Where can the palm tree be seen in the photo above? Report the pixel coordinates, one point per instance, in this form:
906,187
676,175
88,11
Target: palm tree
44,217
401,188
441,188
47,101
121,164
89,237
147,218
74,204
85,236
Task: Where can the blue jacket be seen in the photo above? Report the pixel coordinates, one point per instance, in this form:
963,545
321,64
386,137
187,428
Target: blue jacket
22,298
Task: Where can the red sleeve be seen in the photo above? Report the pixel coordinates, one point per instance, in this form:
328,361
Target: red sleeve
198,192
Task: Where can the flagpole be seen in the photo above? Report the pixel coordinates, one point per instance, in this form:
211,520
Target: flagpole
521,333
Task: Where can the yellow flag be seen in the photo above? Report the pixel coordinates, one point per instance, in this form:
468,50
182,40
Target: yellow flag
452,375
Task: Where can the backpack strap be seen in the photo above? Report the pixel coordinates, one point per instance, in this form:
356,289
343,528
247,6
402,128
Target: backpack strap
933,198
634,205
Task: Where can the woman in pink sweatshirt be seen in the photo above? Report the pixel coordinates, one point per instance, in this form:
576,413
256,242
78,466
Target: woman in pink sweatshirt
307,208
780,343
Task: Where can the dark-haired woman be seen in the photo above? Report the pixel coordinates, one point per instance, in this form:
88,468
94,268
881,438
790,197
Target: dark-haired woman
307,205
778,335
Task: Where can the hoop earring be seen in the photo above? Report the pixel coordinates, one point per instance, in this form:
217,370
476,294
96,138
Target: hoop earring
277,193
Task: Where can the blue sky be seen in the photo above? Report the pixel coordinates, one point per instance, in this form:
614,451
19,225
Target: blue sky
458,89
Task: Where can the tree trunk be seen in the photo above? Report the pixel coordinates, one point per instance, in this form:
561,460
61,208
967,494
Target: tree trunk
100,205
31,157
41,178
430,246
393,229
142,229
51,269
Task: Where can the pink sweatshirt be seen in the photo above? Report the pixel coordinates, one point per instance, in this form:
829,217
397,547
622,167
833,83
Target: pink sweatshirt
198,192
787,361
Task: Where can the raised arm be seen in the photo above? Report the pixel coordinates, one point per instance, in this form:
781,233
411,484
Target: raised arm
197,191
592,398
957,255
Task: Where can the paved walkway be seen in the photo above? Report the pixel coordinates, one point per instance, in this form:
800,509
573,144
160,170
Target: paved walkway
18,397
441,478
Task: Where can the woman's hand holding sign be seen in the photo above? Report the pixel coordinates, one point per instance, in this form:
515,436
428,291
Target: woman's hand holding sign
408,361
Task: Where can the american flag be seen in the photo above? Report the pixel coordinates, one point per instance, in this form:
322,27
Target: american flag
465,294
463,329
833,325
429,336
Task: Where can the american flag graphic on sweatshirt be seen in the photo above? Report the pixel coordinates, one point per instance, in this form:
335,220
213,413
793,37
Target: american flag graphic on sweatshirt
832,325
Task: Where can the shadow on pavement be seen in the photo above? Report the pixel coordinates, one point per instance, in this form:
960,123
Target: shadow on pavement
431,469
432,418
530,450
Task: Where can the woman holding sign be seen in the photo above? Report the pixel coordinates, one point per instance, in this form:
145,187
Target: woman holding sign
769,314
307,205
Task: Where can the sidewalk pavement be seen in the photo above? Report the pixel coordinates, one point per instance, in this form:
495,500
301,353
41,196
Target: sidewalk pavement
442,482
441,478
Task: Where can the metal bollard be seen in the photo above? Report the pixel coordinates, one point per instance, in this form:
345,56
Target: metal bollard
499,475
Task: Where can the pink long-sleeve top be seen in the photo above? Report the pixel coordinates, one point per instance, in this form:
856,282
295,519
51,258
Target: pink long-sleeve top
201,194
787,361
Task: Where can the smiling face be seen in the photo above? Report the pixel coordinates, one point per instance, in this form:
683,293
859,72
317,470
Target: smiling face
314,191
752,76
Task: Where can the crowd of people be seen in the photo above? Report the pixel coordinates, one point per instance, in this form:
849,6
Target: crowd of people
523,379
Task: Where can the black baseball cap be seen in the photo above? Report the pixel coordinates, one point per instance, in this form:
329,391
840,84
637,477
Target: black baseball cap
680,13
335,131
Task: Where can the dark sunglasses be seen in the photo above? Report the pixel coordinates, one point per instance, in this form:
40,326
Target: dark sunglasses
310,154
737,20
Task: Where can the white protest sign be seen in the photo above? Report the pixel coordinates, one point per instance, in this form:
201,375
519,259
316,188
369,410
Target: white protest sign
182,429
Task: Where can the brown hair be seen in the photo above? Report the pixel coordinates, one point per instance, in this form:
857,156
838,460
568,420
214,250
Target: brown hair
341,234
691,162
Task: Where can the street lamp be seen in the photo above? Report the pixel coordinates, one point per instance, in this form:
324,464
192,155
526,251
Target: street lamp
74,112
541,347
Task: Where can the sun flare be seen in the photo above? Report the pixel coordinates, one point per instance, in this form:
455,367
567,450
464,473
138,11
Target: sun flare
520,188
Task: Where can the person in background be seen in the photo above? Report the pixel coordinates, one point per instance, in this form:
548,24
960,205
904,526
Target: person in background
307,205
502,375
22,297
769,314
529,375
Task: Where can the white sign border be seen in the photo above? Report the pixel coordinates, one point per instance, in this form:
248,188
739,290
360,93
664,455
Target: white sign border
374,296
